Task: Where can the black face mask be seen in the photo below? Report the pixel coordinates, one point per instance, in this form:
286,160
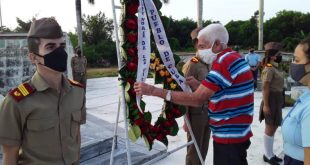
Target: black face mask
298,71
56,60
278,59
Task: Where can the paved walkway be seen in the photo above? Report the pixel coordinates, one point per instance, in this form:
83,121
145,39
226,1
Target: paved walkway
103,104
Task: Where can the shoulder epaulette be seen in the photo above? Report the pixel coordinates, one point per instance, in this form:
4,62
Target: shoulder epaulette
21,91
269,65
75,83
195,59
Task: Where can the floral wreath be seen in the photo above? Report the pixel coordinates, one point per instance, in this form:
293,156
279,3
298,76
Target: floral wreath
140,123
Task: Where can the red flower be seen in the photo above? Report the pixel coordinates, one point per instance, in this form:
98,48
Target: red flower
167,123
132,92
139,121
131,66
155,129
132,8
132,37
176,112
149,138
160,137
132,51
144,128
130,81
135,106
169,115
131,24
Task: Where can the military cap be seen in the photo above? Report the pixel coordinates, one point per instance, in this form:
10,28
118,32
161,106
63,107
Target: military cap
273,45
45,28
195,32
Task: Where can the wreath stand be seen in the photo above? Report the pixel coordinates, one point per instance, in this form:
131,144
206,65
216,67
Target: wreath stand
122,104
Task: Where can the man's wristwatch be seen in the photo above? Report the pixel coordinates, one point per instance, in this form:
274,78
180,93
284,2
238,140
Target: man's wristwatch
168,96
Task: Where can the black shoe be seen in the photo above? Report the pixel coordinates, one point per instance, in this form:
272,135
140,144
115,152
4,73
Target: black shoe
277,159
271,161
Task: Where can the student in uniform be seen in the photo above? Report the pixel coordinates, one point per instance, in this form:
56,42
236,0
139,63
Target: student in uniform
40,119
271,105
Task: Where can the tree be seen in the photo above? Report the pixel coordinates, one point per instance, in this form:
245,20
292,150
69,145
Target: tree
287,27
78,10
4,29
243,33
98,39
23,26
96,28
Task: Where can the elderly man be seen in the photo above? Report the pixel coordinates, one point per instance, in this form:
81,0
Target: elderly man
229,87
40,119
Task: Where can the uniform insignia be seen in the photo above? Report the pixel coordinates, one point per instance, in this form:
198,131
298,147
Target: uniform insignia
269,65
75,83
21,91
195,59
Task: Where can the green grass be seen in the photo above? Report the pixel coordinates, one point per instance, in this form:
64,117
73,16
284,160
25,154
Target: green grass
102,72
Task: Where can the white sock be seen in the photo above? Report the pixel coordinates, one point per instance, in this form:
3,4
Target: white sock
268,145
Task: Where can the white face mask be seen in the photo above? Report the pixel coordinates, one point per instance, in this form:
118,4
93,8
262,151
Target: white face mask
207,55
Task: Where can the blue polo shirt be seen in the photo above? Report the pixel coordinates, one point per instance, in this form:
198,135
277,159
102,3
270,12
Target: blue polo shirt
252,59
295,128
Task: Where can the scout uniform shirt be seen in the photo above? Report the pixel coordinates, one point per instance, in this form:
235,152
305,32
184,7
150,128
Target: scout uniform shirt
274,77
44,123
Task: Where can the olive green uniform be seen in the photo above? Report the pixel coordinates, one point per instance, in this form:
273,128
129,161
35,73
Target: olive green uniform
198,117
78,65
276,84
43,122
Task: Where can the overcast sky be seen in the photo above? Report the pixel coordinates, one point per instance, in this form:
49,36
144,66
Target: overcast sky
216,10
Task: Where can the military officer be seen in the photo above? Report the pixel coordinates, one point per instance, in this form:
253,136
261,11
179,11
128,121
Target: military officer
78,64
40,119
197,67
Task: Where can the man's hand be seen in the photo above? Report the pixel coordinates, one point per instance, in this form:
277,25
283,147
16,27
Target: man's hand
266,110
142,88
253,68
192,82
10,154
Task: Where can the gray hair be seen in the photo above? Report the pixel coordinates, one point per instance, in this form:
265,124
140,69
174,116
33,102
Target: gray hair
214,32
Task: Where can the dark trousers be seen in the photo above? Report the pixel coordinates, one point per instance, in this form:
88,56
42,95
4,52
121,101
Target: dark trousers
255,73
230,154
291,161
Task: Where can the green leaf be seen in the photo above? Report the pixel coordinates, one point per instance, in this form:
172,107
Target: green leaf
160,120
127,97
182,109
134,133
147,143
123,53
165,141
127,87
177,59
174,130
148,116
142,104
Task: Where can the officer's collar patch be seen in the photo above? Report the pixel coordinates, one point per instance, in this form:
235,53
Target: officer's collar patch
75,83
21,91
